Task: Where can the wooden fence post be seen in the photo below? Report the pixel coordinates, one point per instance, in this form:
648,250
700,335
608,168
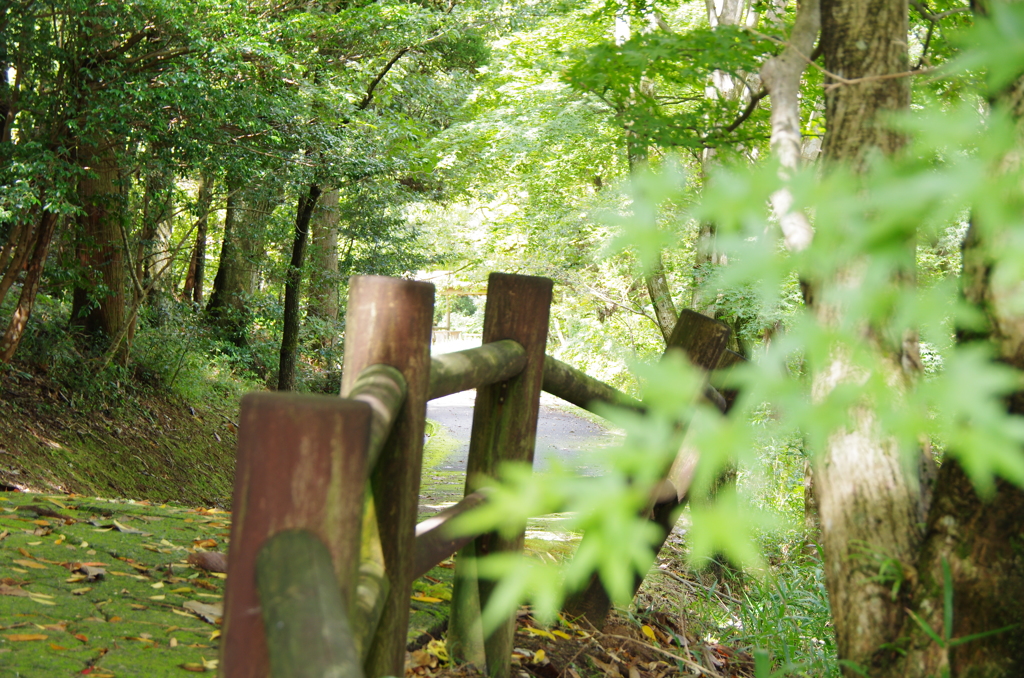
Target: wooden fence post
301,464
504,429
389,322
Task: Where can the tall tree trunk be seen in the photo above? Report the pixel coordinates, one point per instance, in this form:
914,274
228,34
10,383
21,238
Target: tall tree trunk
195,279
100,307
324,300
977,541
870,509
238,270
292,286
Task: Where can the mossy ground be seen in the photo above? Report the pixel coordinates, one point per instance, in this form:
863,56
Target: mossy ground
128,621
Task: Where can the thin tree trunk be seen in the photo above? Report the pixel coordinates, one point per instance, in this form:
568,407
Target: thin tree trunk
293,283
33,273
661,298
14,255
197,267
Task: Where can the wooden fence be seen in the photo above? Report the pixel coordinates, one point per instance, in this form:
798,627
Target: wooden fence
322,562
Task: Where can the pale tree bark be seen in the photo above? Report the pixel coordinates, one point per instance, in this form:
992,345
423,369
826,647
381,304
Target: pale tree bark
870,510
781,76
324,301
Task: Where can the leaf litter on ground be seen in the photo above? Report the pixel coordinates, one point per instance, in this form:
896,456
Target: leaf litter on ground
101,587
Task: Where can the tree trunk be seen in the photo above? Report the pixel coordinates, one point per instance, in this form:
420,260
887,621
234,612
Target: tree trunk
100,307
238,271
324,300
869,509
293,283
155,244
33,273
196,276
661,298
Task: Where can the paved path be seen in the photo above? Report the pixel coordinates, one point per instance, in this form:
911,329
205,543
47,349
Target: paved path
563,438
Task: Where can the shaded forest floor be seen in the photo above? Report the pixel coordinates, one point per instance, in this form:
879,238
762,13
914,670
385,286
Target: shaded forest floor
118,441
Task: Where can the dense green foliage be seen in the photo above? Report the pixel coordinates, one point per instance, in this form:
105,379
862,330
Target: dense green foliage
529,138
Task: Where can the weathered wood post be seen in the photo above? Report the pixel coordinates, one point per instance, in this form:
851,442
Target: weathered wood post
504,429
389,322
301,465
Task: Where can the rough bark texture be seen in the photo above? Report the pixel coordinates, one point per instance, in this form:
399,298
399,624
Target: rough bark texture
870,510
100,306
863,39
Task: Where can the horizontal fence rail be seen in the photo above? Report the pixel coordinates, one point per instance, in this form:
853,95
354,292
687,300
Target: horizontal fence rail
322,561
475,367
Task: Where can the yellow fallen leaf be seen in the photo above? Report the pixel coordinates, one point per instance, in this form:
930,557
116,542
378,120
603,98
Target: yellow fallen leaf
160,597
427,599
218,575
215,635
84,545
539,656
34,543
18,569
183,589
56,503
75,578
20,637
41,600
78,592
538,632
183,614
158,585
649,632
55,646
173,642
31,563
561,634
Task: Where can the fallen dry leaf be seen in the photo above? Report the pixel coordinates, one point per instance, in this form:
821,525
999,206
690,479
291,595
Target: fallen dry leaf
6,590
20,637
31,564
211,561
209,613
